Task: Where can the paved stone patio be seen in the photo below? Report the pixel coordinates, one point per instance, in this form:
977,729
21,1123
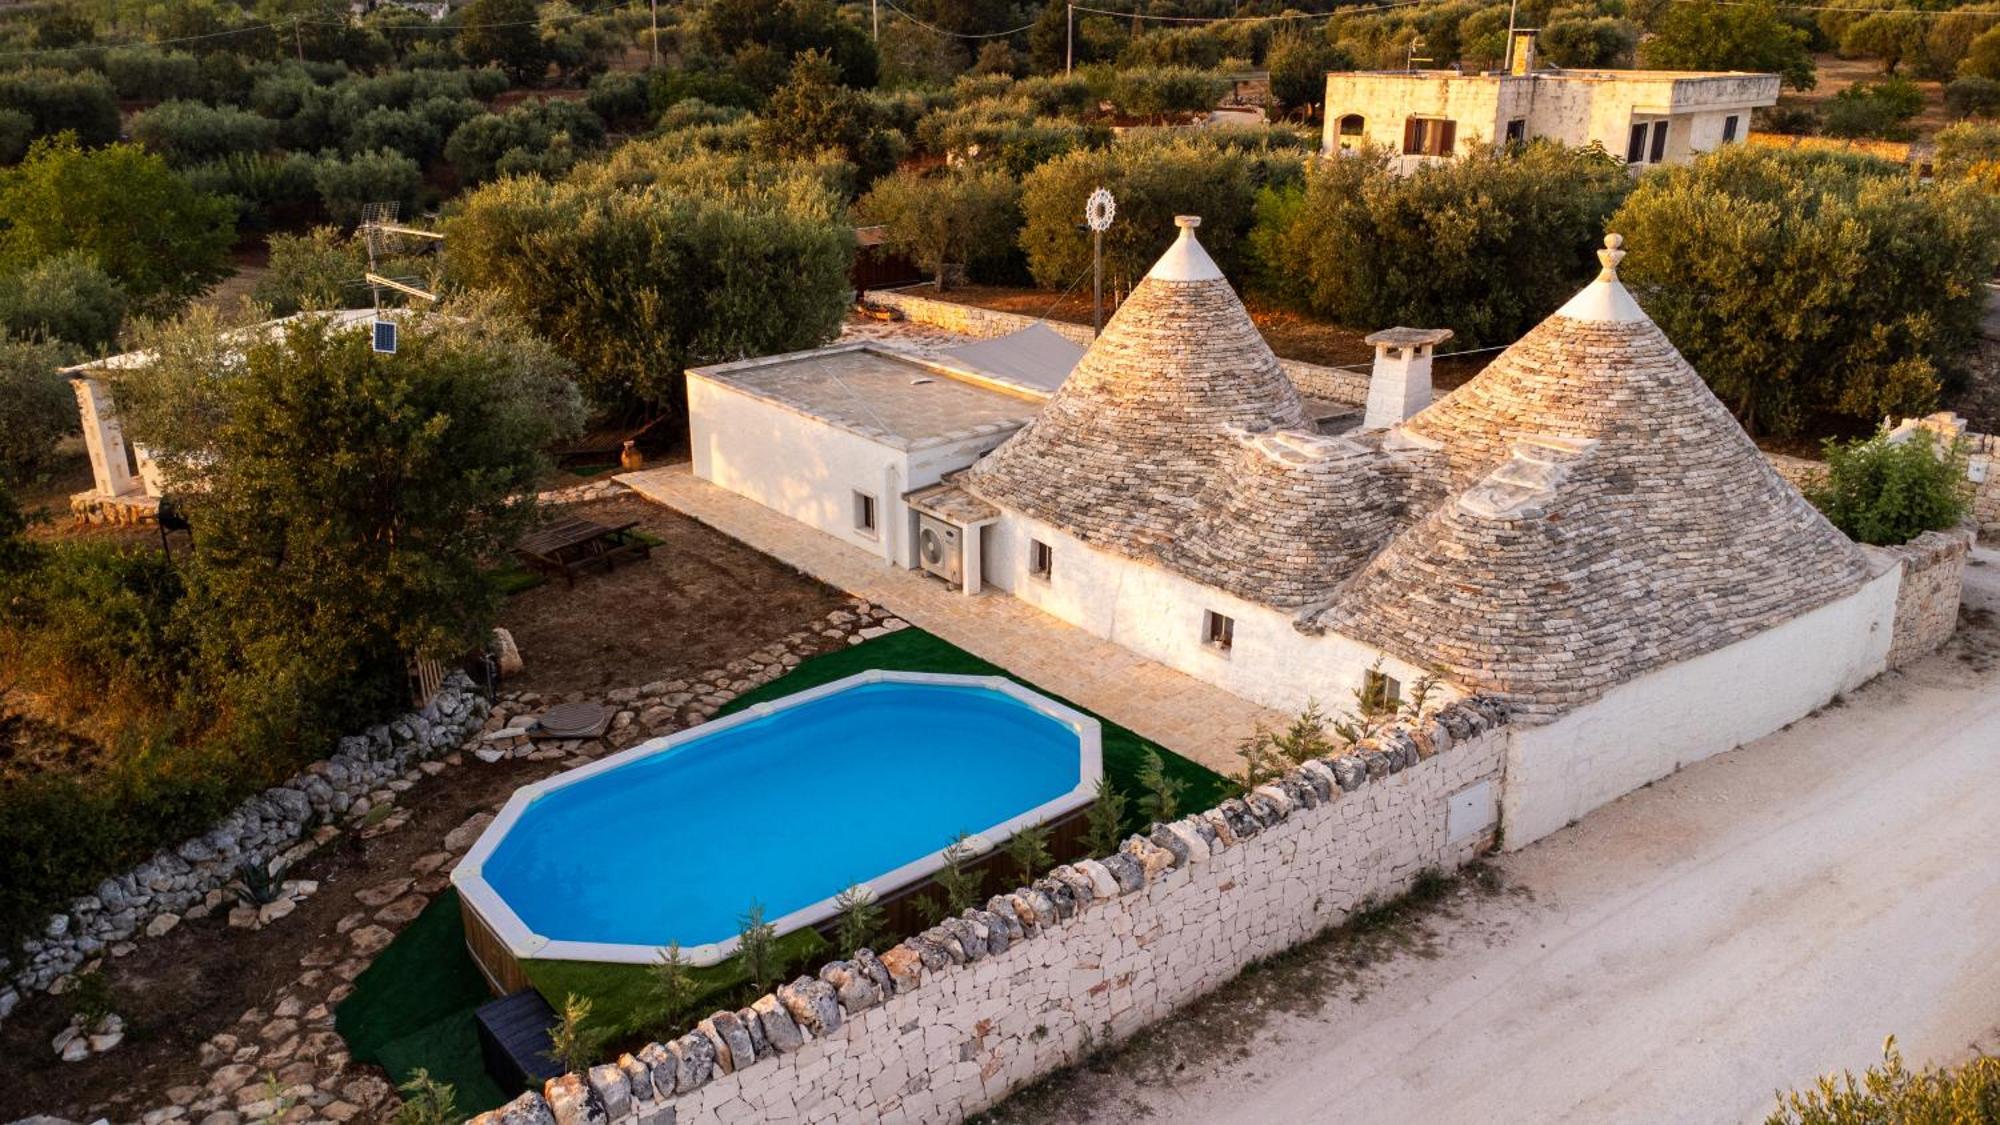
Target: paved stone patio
1181,713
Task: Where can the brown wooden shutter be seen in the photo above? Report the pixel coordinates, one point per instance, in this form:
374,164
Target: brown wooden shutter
1447,133
1410,128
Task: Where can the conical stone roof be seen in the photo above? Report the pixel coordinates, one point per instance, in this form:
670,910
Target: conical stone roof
1608,516
1156,407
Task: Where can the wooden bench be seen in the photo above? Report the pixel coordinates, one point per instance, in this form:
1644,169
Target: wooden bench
569,544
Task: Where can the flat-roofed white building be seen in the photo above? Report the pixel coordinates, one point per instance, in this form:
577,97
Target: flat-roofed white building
1646,116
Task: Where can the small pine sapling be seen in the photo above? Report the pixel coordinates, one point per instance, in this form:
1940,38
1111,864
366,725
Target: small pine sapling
960,884
1160,796
674,989
426,1101
861,919
757,947
574,1041
1029,851
1106,820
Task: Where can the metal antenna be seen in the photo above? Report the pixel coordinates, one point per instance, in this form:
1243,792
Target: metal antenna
382,234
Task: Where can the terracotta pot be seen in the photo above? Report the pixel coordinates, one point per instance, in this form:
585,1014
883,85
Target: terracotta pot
631,458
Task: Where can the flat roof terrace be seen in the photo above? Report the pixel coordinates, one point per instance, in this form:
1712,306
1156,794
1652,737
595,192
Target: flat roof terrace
880,394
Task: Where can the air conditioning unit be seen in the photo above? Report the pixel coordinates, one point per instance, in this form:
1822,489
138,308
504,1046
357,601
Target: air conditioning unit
938,549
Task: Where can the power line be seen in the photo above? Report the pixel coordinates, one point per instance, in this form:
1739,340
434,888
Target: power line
301,21
891,4
1345,11
1836,8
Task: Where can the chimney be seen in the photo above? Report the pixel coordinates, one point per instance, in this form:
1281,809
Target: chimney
1400,384
1524,52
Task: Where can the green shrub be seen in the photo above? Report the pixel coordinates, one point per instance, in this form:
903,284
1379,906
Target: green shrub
547,137
1800,282
1154,178
187,133
1880,110
1166,91
1889,492
36,408
1962,1095
65,298
17,131
57,102
347,184
1972,96
315,270
1486,245
160,239
152,74
622,98
967,218
267,188
1969,151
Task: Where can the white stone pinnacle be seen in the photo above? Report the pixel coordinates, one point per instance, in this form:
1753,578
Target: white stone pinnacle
1185,260
1605,299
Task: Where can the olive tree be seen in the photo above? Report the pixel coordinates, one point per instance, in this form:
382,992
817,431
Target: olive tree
347,504
1800,282
36,408
636,278
1485,246
966,218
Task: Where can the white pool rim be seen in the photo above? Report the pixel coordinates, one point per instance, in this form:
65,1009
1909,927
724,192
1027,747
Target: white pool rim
521,941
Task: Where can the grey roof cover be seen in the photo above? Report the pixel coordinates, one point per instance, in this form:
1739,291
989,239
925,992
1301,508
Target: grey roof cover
1037,356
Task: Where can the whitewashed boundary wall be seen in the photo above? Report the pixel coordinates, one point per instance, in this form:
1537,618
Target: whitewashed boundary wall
953,1020
1331,383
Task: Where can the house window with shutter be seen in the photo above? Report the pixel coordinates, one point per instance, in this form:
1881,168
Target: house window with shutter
1429,136
1217,631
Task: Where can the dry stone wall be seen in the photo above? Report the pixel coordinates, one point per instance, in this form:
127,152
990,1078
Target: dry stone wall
280,825
1333,384
952,1021
1928,595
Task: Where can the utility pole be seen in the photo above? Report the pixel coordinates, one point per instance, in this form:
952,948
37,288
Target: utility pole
655,44
1069,39
298,42
875,18
1507,61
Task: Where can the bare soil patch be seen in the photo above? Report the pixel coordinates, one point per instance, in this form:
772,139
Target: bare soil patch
701,600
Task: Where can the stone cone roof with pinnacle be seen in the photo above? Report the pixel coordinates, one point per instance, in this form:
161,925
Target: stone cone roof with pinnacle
1606,516
1158,406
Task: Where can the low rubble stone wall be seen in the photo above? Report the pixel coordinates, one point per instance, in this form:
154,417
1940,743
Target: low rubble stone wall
1927,599
951,1021
281,823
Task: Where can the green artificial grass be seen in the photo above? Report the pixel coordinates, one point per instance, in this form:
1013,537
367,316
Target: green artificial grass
413,1008
622,1005
913,650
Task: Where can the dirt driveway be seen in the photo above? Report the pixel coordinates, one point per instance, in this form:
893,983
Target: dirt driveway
1742,926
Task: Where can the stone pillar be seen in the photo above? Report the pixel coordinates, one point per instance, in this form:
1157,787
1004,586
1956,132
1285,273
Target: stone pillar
110,466
1400,384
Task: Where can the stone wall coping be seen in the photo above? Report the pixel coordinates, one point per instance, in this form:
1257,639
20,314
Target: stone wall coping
646,1082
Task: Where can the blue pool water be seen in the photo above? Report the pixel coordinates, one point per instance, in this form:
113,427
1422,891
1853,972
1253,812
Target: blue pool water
785,810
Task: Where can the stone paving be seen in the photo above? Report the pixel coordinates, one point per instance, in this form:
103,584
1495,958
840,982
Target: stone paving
1191,718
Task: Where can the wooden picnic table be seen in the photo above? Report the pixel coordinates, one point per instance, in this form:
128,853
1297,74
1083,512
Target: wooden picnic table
564,546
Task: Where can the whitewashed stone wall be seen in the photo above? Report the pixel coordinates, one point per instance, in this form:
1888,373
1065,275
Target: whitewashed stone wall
1927,599
952,1021
1313,380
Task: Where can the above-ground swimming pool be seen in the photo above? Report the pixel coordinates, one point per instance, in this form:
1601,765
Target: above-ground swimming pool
861,781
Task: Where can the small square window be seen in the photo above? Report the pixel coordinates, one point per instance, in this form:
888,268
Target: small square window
1380,693
1729,128
864,513
1217,631
1041,559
